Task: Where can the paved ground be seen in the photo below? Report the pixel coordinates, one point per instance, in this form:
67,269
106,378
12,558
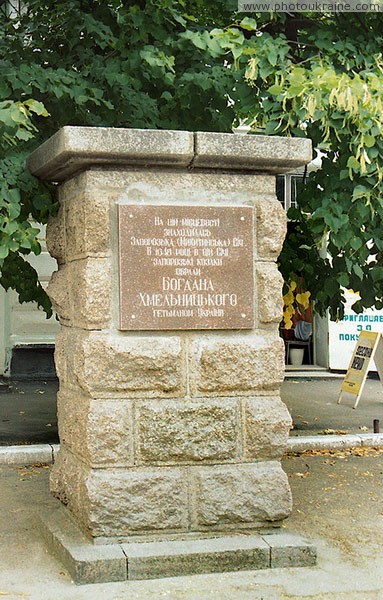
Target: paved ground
313,406
337,502
28,413
28,410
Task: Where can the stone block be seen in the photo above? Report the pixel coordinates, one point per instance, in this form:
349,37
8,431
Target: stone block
270,154
87,224
269,293
177,187
90,290
152,560
58,290
114,503
55,236
85,562
187,431
236,364
271,228
299,445
68,484
26,455
116,366
63,338
98,431
267,424
123,502
73,149
290,550
371,440
80,292
234,496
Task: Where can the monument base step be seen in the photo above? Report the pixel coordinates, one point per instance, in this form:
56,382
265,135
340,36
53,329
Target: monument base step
100,563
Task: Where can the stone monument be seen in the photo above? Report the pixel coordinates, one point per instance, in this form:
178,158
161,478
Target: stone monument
170,420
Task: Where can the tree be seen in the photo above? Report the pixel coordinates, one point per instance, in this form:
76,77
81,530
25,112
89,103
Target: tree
321,76
96,63
198,65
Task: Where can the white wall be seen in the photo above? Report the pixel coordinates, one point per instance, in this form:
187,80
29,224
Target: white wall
24,324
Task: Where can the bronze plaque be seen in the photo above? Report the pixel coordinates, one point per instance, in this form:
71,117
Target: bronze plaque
186,267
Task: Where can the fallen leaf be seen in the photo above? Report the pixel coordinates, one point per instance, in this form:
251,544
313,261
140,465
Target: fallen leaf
357,451
363,428
333,432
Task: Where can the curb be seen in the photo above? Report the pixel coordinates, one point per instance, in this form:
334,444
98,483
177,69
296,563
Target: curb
298,445
27,455
46,453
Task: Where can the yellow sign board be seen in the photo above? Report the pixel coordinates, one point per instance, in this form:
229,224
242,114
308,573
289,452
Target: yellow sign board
369,342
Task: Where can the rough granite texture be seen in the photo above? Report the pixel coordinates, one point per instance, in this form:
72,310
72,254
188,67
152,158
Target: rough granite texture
100,432
269,285
241,364
187,431
109,366
241,495
165,433
81,293
267,424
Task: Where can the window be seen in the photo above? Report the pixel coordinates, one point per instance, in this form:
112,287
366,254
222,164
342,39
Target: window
287,189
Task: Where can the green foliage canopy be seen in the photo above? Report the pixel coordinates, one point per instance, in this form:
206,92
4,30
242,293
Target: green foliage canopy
93,63
321,76
197,65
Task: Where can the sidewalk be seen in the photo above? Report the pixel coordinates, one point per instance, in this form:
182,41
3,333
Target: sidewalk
338,504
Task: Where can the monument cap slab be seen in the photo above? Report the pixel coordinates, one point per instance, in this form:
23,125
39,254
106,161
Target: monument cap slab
73,149
270,154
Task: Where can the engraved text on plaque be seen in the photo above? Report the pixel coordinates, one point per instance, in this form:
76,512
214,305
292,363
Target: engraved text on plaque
186,267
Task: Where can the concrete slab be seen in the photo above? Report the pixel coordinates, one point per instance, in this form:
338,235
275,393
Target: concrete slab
88,563
190,557
290,550
85,562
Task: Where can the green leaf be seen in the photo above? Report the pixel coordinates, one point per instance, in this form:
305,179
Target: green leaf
343,280
248,24
377,274
358,271
356,243
37,107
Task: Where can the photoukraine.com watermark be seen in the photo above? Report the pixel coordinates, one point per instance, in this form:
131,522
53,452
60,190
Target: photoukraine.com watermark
310,6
